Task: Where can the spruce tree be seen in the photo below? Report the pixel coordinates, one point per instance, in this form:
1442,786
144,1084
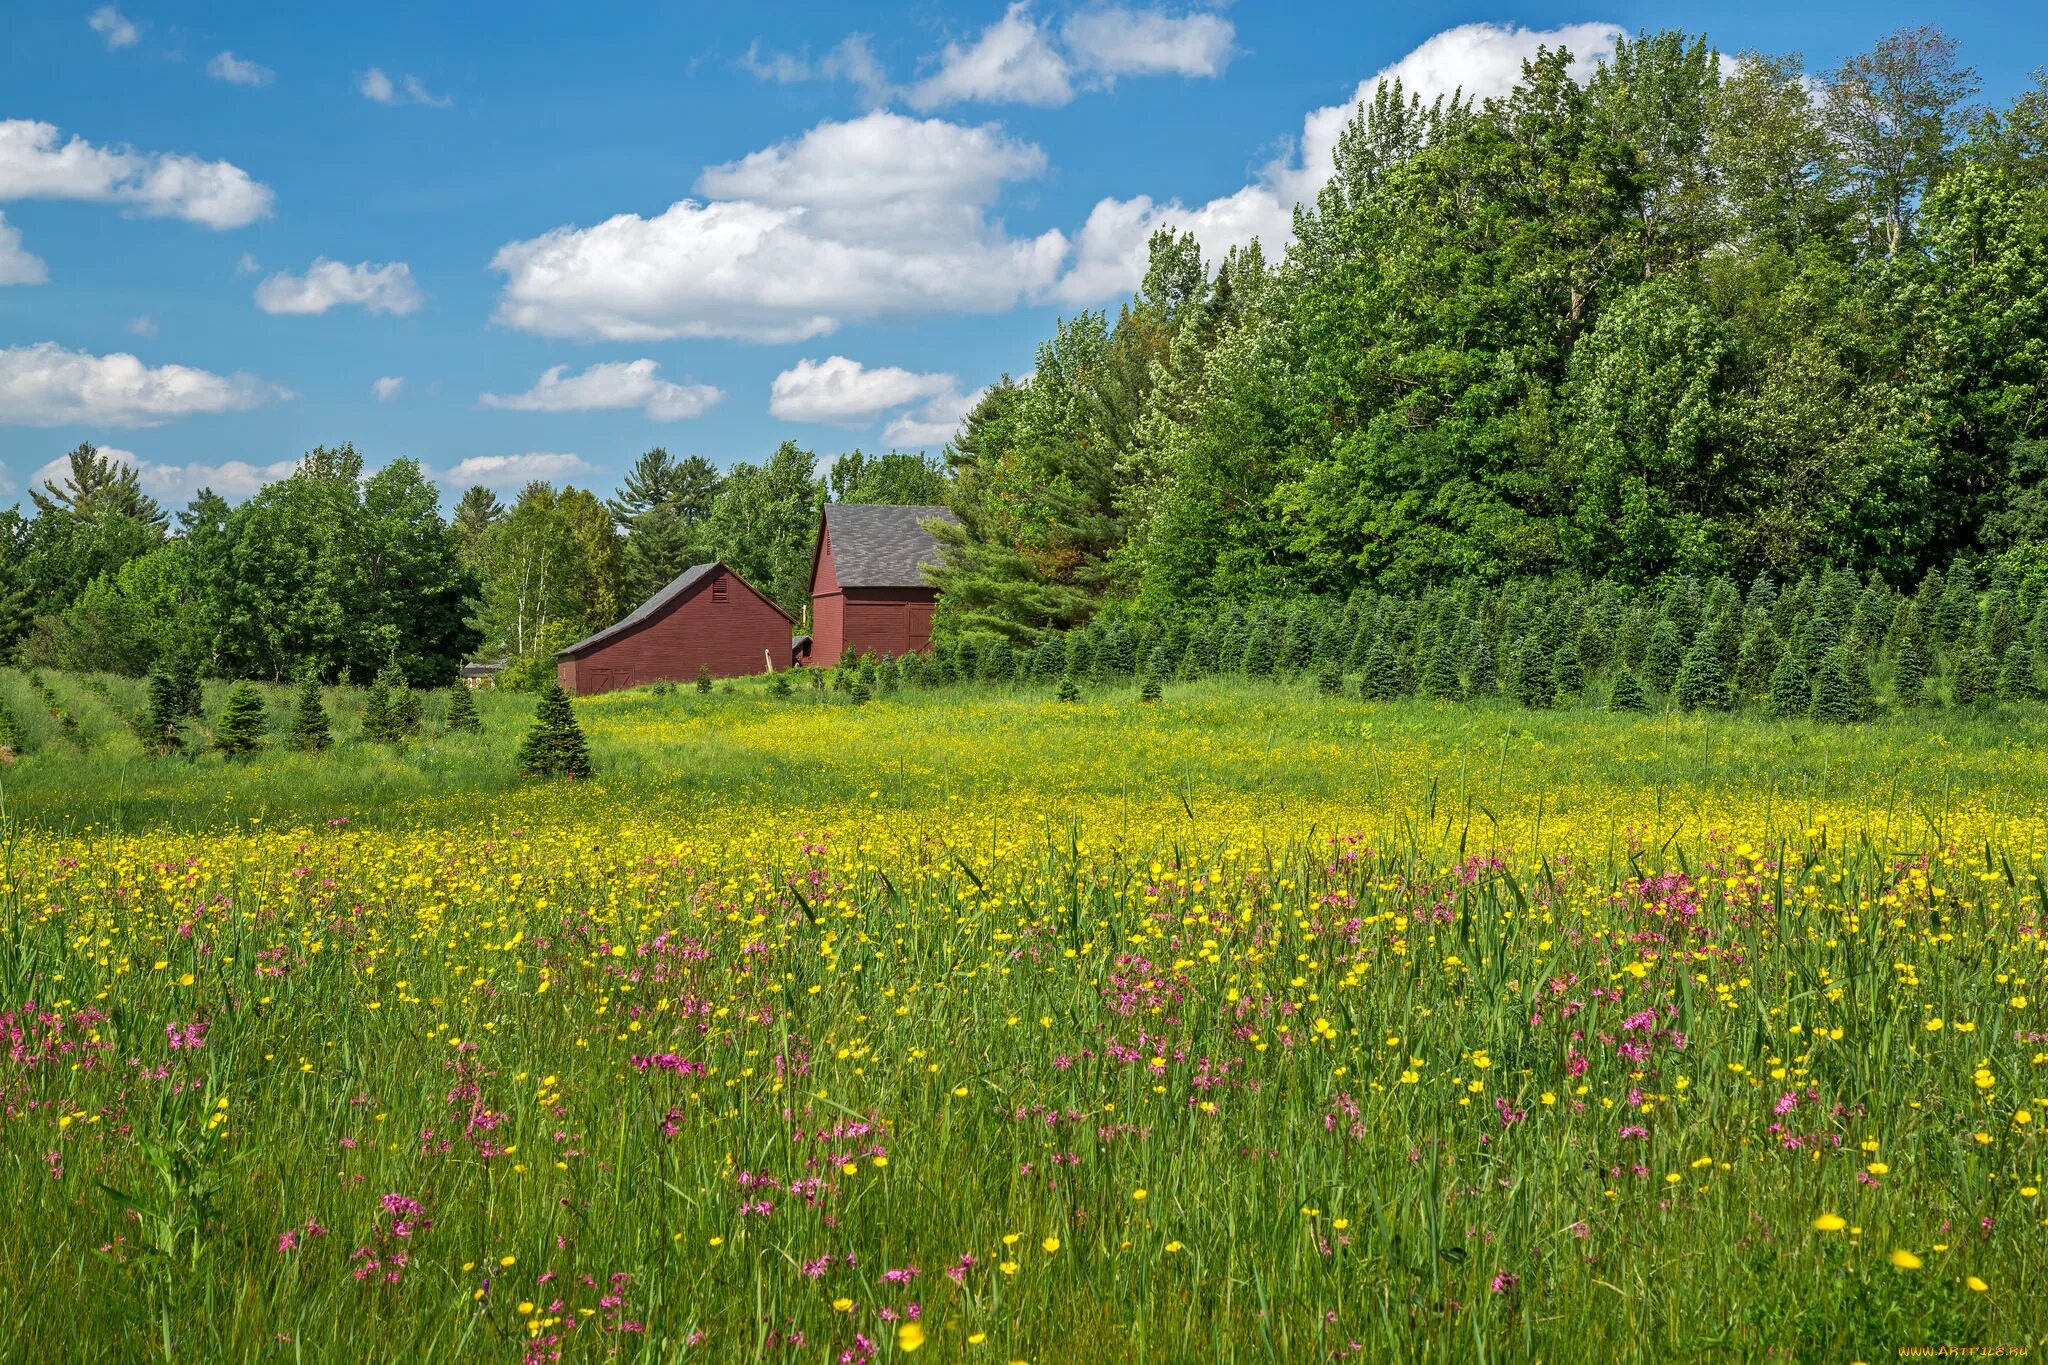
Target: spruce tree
554,746
1758,656
1067,691
1662,656
166,711
2016,678
1535,675
703,679
778,685
1481,673
998,661
1700,685
380,726
407,712
1380,675
310,732
1260,660
1834,689
1791,691
1911,666
462,713
1976,677
242,721
1569,672
1149,690
1329,678
1627,693
1440,674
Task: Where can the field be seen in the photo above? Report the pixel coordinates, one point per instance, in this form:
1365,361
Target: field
1251,1025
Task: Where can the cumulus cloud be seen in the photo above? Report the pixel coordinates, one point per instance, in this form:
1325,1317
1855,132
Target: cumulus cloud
330,284
45,385
615,384
844,392
386,389
877,216
933,422
227,67
35,165
374,85
1127,42
1014,61
18,265
175,483
113,26
510,471
1482,60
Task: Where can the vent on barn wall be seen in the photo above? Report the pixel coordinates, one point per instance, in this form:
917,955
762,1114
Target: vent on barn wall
718,590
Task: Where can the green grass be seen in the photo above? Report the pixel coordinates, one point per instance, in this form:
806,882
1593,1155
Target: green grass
1373,937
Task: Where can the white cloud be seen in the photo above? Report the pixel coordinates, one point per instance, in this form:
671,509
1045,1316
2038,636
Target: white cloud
1127,42
509,471
18,265
227,67
34,165
143,326
845,392
877,216
375,85
853,60
176,483
1483,60
615,384
45,385
110,24
386,389
1014,61
328,284
932,423
248,265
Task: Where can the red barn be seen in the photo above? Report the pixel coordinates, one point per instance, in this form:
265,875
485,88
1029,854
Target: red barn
867,591
709,617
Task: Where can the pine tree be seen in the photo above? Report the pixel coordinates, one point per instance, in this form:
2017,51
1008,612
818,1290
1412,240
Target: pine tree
1662,656
166,710
1440,674
1976,677
380,726
310,732
1627,693
1791,691
1834,690
554,746
1380,674
1700,685
242,721
462,713
703,679
1067,690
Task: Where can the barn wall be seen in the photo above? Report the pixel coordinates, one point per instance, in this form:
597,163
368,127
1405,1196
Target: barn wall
565,674
828,607
729,638
891,621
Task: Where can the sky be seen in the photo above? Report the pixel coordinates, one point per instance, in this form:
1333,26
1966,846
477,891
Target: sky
523,242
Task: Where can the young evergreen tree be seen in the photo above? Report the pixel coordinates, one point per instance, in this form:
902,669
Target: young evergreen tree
703,679
1758,656
778,685
1535,675
380,725
1260,660
310,732
1150,690
166,713
998,661
242,723
1067,691
1440,674
554,745
1700,685
1791,691
1568,671
408,714
1662,656
2017,680
1976,676
1627,693
1380,674
462,717
1911,665
1481,674
1835,694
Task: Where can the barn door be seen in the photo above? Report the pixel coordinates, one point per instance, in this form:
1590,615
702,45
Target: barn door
918,625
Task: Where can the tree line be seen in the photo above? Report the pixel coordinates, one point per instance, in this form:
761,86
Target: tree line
1684,316
341,573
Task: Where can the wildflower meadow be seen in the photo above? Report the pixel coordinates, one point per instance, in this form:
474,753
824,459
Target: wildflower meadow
1250,1024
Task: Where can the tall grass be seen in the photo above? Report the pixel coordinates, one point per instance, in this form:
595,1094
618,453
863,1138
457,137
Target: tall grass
1432,1034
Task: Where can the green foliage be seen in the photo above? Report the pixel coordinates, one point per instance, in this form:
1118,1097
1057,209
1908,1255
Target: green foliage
462,717
1380,673
1627,693
1700,685
1067,691
778,685
162,721
310,731
243,722
1836,697
554,746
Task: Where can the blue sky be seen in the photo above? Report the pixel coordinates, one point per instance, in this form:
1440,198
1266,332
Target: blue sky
561,240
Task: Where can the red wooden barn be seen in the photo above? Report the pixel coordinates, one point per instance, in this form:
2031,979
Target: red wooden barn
867,594
709,617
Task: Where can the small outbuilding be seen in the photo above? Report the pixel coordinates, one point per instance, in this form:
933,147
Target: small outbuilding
868,593
709,618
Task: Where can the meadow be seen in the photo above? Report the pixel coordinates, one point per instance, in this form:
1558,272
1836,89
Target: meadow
1252,1024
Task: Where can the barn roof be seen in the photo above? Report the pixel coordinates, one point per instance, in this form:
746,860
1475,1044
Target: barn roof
875,545
677,588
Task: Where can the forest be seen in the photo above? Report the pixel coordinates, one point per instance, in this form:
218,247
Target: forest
1633,333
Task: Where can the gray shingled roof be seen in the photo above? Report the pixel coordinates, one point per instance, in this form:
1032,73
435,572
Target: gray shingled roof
682,583
875,545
